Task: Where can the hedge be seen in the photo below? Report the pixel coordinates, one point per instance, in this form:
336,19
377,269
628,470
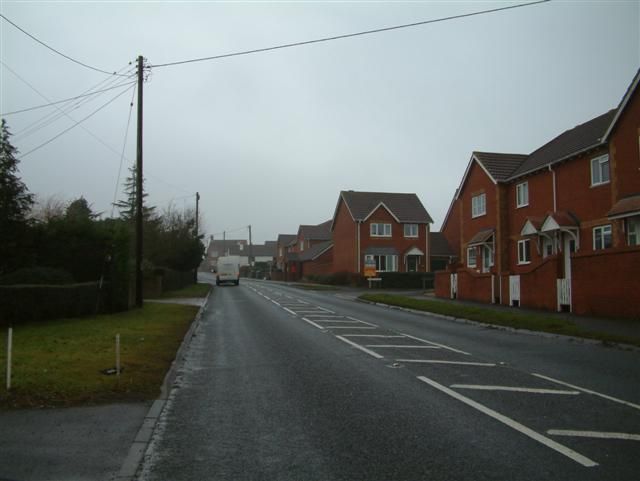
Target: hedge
21,303
407,280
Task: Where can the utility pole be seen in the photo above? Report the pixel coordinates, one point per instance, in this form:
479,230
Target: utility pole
195,274
224,243
250,250
139,187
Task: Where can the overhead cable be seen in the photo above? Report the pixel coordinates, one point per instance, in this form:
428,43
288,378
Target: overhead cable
57,51
348,35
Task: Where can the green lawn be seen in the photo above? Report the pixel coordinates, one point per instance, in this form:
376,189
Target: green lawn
58,363
193,290
515,319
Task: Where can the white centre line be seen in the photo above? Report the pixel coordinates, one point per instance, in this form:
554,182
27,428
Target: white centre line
594,434
514,389
438,361
362,348
610,398
328,316
439,345
275,302
290,311
349,327
550,443
402,346
335,320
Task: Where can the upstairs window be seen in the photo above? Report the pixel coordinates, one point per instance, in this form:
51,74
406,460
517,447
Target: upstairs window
524,251
411,230
522,194
600,170
478,205
633,231
380,230
602,237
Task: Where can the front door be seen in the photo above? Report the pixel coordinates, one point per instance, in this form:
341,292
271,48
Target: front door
412,263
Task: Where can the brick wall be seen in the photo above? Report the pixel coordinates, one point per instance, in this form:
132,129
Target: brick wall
322,265
607,283
538,287
442,284
344,241
473,286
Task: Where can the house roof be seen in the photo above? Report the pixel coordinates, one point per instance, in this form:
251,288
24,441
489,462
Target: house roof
285,239
315,251
403,207
439,245
316,232
625,207
218,248
583,137
499,166
559,220
268,249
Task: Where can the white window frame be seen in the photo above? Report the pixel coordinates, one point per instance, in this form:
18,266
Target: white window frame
478,205
599,236
388,259
524,251
598,168
374,229
548,242
487,266
472,257
413,228
522,194
633,233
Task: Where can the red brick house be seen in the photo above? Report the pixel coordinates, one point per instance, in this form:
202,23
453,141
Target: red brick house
558,228
303,252
389,229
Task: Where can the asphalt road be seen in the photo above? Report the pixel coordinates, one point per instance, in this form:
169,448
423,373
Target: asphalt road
284,384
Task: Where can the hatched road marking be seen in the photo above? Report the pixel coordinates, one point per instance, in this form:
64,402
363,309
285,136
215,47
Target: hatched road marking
594,434
513,389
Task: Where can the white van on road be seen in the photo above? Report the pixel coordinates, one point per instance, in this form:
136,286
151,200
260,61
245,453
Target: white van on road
228,270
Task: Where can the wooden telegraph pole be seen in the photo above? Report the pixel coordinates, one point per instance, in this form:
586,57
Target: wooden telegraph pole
139,188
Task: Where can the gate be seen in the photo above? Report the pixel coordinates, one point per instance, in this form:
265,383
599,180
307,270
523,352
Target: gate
454,286
564,294
514,291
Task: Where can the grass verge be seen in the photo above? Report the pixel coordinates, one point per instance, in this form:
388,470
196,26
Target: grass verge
315,287
57,363
193,290
515,319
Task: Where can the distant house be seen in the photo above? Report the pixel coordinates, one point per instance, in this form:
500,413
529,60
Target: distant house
558,228
303,251
228,247
391,230
282,245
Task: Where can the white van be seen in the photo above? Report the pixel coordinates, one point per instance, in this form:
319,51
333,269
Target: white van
228,270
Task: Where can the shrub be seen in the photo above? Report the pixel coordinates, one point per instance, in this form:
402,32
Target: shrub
37,275
407,280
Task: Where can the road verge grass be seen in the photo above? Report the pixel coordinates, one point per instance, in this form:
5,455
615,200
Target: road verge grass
191,291
507,318
58,363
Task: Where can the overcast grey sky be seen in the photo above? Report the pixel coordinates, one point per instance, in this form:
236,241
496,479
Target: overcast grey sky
270,139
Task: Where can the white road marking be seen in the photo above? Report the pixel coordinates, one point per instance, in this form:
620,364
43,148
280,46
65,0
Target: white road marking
570,453
300,301
307,311
335,320
513,389
362,348
439,345
326,310
438,361
370,335
402,346
594,434
610,398
350,327
327,316
290,311
275,302
313,323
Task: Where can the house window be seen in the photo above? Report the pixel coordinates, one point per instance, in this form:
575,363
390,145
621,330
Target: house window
302,246
522,194
547,247
380,230
633,231
280,252
478,205
602,237
384,263
524,251
411,230
600,170
471,257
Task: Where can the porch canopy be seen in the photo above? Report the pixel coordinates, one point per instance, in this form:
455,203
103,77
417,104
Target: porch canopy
414,251
627,207
483,237
561,221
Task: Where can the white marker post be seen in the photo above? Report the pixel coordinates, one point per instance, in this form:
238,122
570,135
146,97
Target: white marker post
118,355
9,349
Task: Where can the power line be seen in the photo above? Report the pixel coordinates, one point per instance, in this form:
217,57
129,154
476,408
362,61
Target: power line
57,51
124,145
348,35
65,100
75,125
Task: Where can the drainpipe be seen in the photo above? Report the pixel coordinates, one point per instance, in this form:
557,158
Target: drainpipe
553,172
358,242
